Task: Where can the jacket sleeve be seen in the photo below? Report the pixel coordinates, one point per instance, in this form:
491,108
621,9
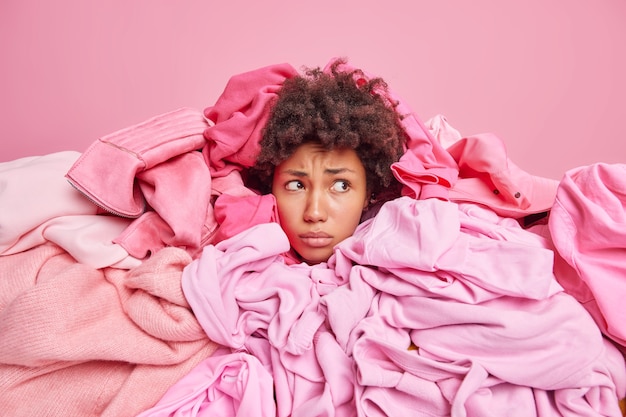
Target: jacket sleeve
105,173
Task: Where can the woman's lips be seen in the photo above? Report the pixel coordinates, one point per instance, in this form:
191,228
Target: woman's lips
316,239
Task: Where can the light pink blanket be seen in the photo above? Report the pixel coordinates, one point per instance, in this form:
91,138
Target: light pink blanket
75,340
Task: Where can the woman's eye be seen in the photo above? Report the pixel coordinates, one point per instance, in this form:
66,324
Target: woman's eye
341,186
294,185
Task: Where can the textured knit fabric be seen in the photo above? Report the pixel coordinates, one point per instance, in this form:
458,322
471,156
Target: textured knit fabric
92,342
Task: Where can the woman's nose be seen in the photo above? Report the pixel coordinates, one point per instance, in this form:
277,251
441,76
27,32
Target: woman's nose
316,208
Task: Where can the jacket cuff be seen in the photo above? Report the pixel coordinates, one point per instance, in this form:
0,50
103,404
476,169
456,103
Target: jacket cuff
105,174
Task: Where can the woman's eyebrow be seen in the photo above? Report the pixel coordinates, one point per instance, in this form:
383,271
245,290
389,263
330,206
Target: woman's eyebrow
295,173
331,171
335,171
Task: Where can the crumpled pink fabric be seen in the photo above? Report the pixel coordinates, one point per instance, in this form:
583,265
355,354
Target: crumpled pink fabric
238,117
473,292
442,130
152,172
162,180
37,206
106,171
238,213
588,226
178,192
225,385
487,176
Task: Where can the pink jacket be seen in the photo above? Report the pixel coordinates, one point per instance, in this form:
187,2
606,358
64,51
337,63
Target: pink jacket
154,172
487,176
149,172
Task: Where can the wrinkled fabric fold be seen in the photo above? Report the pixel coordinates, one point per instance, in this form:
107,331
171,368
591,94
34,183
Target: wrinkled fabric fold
430,305
588,227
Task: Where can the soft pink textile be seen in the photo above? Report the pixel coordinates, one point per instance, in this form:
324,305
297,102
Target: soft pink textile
225,385
37,205
161,180
92,342
106,171
150,171
238,117
588,227
33,191
178,192
442,130
488,176
238,213
495,333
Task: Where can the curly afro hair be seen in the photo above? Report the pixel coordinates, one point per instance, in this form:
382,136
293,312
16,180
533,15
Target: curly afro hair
337,110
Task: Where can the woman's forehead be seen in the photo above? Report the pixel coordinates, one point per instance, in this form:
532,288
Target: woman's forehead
314,154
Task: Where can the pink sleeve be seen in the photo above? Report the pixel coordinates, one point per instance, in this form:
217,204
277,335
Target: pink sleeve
133,150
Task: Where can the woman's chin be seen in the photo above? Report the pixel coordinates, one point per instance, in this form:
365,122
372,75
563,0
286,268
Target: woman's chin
313,256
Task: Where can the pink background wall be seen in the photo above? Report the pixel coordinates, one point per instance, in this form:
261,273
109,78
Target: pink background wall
547,76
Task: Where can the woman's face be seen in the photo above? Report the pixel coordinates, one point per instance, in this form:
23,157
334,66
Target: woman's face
320,195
